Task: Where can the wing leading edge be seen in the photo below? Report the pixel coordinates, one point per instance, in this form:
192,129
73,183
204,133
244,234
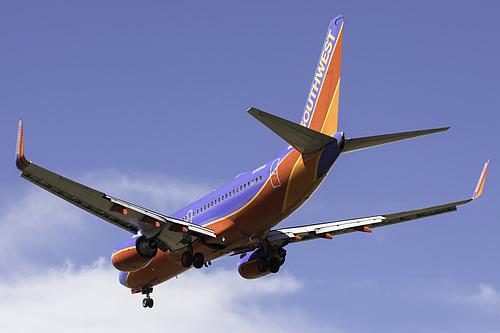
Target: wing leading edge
169,231
281,237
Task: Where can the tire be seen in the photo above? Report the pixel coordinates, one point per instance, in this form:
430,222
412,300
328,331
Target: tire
187,259
198,260
262,264
274,265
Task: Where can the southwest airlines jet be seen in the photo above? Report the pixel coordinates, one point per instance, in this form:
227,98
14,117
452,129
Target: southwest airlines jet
240,217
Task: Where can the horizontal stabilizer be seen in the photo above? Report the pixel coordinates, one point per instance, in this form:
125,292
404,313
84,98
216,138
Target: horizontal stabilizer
303,139
377,140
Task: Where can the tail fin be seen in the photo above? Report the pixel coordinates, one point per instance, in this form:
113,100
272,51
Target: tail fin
321,110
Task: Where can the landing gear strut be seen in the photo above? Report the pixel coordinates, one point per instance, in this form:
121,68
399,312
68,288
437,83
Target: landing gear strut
148,301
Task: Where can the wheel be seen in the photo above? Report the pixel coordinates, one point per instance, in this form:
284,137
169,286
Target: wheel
262,264
187,259
274,265
198,260
147,302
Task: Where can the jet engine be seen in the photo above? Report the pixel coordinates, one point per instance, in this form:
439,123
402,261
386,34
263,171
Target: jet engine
134,254
256,264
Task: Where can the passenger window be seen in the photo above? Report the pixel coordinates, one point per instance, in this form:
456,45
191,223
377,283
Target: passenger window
244,185
260,177
252,183
226,195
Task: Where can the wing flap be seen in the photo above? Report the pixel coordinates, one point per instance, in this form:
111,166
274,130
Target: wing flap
194,228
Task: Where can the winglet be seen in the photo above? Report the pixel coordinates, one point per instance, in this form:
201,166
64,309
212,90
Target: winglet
480,183
21,161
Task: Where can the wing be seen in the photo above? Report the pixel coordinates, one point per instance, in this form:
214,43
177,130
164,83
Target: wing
170,232
282,237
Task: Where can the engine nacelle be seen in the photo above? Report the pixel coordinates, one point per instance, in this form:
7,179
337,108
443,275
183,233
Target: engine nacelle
253,265
134,254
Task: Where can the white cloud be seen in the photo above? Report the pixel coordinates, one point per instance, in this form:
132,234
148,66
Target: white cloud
90,298
155,191
79,298
32,220
484,295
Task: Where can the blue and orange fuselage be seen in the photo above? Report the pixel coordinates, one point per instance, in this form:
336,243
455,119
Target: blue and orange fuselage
242,212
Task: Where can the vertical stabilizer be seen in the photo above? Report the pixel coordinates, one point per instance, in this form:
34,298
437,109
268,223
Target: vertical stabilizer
321,110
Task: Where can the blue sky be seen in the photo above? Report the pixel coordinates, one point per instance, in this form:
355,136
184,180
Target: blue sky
146,102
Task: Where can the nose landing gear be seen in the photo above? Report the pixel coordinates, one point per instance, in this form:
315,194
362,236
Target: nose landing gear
147,302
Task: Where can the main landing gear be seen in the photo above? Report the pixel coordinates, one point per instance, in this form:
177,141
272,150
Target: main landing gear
188,258
273,260
148,301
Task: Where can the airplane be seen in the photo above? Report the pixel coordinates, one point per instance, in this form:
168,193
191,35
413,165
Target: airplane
239,218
